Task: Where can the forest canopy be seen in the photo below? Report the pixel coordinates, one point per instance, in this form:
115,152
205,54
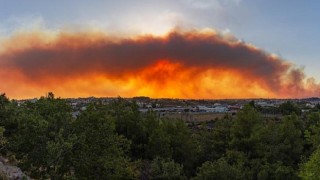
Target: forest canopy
116,141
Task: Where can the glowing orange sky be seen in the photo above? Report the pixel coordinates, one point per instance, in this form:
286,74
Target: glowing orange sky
178,65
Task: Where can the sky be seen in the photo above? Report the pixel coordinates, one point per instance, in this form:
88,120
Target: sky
187,48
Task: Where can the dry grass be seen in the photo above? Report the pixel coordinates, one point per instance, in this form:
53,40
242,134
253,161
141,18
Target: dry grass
193,117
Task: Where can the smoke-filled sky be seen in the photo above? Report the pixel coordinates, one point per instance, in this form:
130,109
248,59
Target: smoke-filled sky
177,49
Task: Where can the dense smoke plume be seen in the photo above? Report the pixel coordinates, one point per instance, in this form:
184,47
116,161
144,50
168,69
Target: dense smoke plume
191,64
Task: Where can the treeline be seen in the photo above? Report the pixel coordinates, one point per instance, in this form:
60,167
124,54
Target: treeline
116,141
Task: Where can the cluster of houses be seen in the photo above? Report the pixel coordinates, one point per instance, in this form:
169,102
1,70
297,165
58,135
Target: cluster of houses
166,106
217,106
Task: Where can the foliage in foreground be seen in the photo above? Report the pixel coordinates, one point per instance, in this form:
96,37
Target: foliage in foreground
116,141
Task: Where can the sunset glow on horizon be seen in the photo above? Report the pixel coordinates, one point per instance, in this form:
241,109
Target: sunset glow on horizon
180,64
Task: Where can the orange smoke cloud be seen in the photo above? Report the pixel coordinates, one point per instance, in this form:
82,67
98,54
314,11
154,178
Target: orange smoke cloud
179,65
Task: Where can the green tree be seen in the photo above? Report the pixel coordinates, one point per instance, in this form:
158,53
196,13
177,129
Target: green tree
291,148
310,170
312,133
214,143
99,152
289,107
244,131
132,125
42,137
165,169
219,169
2,139
8,112
182,144
4,101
